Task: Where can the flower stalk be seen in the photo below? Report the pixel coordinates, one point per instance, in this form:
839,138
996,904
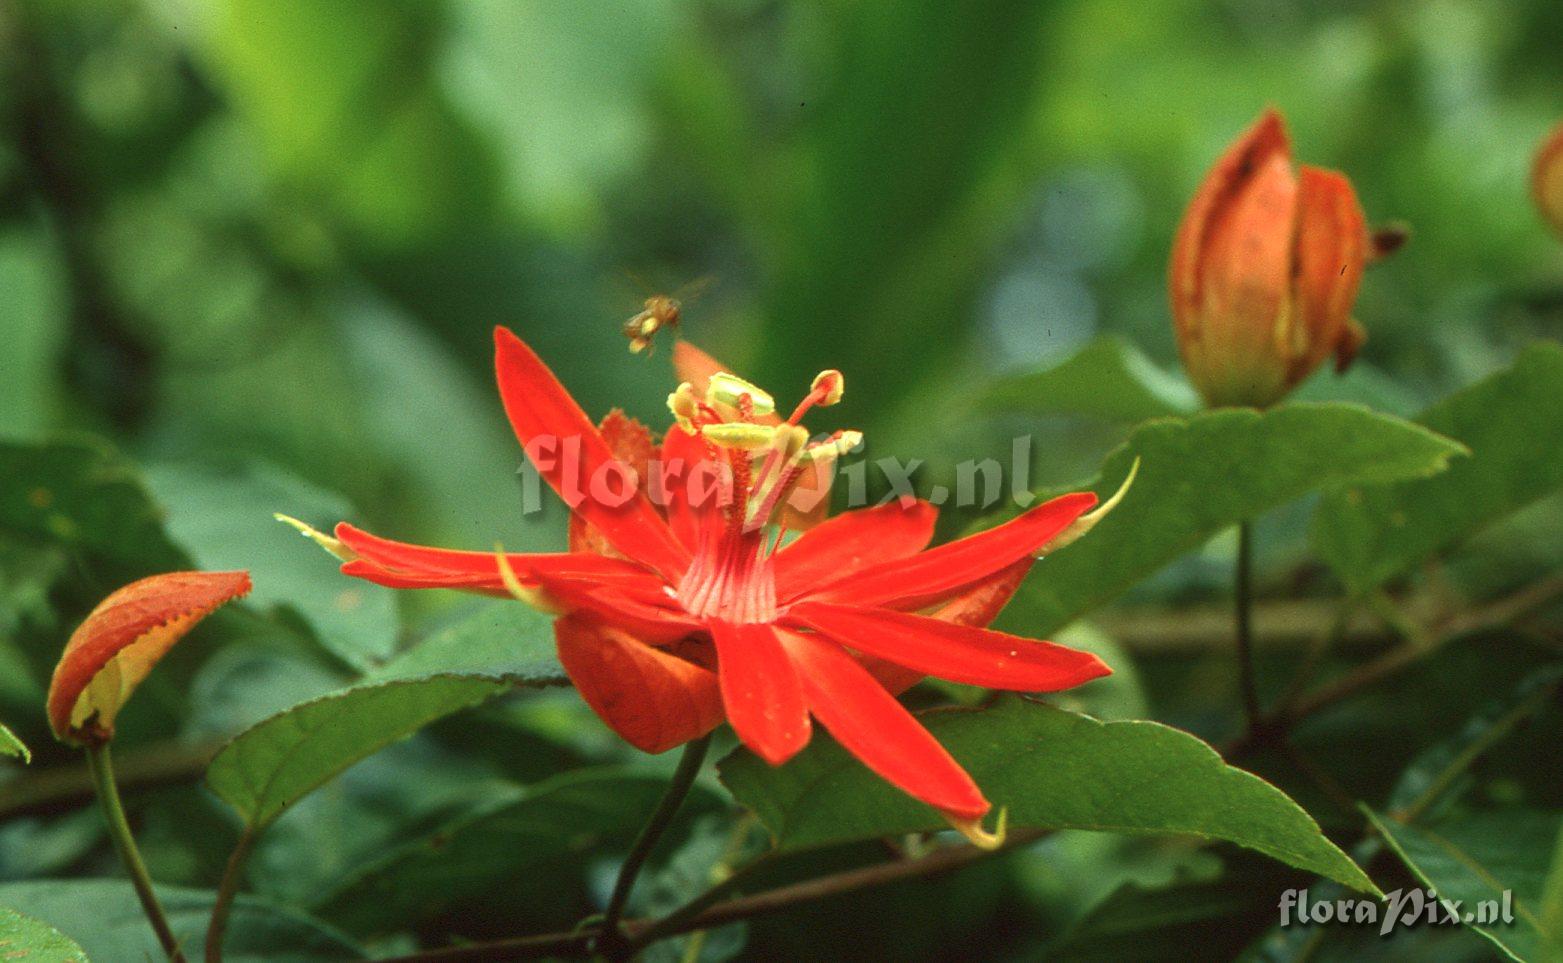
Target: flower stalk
613,941
102,768
1244,616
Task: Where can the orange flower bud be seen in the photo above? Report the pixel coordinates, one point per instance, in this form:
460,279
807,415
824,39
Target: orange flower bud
1546,179
1265,269
119,643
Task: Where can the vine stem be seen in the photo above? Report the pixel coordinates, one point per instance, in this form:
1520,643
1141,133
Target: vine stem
613,938
1243,591
227,890
946,859
102,768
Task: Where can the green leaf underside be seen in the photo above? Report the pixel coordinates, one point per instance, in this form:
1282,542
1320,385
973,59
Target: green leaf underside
1201,475
270,766
503,639
1476,857
1108,378
1053,770
104,918
12,746
27,940
222,516
1510,421
576,815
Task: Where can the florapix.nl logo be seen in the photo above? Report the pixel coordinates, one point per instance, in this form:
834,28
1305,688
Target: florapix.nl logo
1400,908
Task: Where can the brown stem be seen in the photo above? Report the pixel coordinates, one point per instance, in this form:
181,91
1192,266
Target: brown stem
1419,644
937,863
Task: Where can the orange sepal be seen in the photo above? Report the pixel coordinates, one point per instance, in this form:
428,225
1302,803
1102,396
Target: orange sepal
630,441
653,699
121,640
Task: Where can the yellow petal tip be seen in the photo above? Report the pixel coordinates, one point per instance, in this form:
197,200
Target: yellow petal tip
979,837
535,598
332,545
1088,521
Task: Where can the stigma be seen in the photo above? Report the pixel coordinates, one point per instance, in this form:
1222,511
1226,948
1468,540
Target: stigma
762,458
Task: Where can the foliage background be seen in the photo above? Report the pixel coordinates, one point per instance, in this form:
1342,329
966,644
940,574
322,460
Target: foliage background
268,239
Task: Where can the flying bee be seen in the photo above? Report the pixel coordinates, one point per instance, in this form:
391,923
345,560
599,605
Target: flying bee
661,312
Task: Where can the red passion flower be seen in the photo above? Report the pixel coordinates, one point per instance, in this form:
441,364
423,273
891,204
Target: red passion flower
680,603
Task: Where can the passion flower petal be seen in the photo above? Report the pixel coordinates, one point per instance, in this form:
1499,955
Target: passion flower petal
930,577
120,642
761,690
850,542
550,425
959,653
874,727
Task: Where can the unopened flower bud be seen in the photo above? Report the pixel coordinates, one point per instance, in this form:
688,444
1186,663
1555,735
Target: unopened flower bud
1265,269
1546,180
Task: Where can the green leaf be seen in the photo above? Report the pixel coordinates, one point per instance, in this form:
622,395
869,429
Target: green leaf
504,640
1109,378
1475,858
104,917
1201,475
82,495
27,940
12,746
1435,773
574,816
267,768
1053,770
1219,914
1508,421
222,515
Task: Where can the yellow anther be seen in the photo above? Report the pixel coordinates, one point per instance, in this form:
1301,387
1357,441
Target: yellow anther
727,389
979,837
684,403
789,440
332,545
831,385
739,434
831,448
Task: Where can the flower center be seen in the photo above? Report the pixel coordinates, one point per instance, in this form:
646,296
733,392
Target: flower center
731,575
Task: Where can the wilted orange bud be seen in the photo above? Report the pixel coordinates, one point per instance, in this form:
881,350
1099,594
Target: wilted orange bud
120,642
1264,272
1546,179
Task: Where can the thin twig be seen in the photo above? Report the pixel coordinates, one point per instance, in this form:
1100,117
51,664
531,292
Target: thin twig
227,890
938,863
1501,612
1243,599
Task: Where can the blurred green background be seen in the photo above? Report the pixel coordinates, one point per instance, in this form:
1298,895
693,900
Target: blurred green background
284,229
268,240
